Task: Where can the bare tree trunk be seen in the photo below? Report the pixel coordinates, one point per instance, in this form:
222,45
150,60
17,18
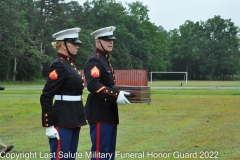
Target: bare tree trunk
46,14
41,48
8,64
15,68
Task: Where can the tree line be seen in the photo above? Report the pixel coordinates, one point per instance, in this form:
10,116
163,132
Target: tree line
205,49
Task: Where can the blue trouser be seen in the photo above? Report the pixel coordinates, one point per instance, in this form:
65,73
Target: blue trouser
68,143
103,137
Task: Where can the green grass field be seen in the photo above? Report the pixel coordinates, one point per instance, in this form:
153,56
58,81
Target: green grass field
181,122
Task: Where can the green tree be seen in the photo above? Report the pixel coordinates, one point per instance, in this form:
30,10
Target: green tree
223,44
16,44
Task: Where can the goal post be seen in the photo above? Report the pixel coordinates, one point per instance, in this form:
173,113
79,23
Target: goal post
185,73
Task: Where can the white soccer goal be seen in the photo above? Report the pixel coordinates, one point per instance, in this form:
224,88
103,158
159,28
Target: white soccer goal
185,74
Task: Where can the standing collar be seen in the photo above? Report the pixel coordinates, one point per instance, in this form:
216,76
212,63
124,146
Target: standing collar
65,57
104,54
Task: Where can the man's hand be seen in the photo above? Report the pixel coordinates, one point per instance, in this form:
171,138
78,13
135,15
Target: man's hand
122,99
51,132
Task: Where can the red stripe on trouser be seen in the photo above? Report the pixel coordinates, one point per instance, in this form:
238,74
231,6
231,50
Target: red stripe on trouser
98,139
58,146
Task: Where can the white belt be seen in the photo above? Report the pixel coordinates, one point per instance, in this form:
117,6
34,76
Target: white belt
68,98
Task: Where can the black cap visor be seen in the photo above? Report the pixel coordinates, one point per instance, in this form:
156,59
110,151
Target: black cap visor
111,37
73,40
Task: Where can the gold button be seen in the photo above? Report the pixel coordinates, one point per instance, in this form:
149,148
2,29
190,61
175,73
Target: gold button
116,94
106,90
111,91
45,114
105,99
75,68
46,119
71,63
46,124
83,84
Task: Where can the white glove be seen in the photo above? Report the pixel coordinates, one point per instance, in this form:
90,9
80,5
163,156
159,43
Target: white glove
51,132
122,99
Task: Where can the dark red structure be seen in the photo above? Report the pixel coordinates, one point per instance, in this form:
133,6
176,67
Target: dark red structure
131,77
128,77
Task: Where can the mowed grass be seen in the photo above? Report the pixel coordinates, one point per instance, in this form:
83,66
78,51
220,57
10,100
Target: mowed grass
178,122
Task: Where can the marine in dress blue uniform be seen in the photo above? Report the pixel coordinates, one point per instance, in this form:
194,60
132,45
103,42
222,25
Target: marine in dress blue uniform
63,118
101,108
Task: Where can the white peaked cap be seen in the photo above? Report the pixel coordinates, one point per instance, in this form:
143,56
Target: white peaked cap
104,33
67,33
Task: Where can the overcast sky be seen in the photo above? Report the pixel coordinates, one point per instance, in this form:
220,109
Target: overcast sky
172,13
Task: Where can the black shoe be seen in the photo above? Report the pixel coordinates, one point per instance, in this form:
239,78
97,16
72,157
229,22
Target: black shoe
9,148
